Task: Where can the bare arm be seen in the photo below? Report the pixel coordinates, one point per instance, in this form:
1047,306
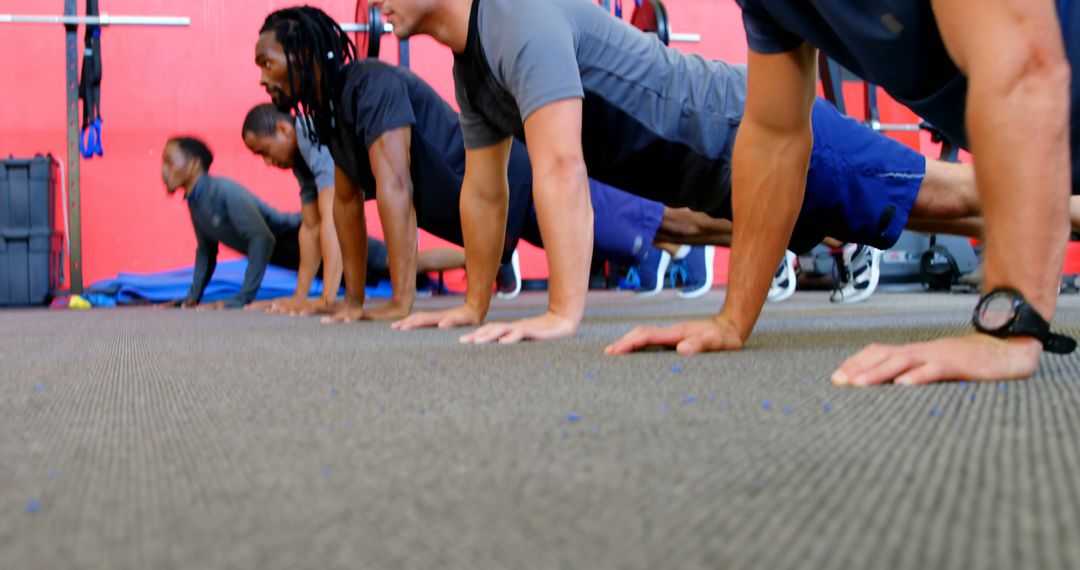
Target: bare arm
1017,120
771,156
329,246
1018,92
309,250
352,235
484,202
564,211
770,160
390,162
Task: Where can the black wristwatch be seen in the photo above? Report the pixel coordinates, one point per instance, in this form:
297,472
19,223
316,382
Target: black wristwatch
1004,312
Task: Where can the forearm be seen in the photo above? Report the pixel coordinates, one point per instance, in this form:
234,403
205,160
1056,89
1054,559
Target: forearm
1024,189
204,270
563,208
399,228
258,257
331,256
483,221
351,229
769,181
310,255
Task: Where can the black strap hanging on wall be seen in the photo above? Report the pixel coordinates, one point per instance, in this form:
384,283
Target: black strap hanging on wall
90,87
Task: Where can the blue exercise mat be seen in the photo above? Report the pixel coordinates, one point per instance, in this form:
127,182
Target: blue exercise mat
134,288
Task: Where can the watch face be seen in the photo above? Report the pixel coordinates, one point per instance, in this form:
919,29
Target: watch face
997,311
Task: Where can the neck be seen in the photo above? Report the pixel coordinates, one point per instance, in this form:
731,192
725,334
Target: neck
449,24
190,185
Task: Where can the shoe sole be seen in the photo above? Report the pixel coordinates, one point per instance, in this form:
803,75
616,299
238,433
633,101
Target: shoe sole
788,291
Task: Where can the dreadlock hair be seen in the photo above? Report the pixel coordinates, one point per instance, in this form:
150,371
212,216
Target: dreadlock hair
312,41
194,148
262,120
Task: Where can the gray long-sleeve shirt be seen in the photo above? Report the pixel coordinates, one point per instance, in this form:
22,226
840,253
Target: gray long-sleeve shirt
223,211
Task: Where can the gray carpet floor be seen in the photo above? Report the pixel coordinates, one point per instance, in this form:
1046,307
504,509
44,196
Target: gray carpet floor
142,439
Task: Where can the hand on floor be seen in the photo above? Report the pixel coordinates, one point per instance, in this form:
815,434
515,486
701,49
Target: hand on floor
215,306
971,357
387,312
345,312
309,307
461,316
545,327
287,305
687,338
260,305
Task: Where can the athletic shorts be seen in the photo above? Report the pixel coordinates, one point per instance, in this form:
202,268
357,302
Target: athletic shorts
860,187
624,224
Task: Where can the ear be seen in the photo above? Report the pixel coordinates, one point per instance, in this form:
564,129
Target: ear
286,130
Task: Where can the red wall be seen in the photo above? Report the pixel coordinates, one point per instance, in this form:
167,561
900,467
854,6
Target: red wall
202,80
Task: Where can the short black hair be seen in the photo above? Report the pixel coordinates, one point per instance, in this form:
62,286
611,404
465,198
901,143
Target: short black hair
194,148
262,120
312,41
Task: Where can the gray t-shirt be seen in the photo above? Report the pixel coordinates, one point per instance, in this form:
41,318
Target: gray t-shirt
655,122
315,172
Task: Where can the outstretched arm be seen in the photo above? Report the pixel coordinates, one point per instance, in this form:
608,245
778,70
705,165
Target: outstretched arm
1017,120
484,198
771,156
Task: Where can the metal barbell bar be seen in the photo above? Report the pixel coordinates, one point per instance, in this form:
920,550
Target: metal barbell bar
355,27
100,21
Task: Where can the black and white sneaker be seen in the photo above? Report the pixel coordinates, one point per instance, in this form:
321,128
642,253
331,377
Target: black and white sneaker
783,283
508,279
858,269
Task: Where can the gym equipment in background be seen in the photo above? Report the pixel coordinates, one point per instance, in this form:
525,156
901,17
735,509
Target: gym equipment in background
368,30
31,251
71,21
651,16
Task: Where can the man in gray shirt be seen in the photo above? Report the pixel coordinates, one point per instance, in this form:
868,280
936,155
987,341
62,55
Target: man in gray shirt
223,211
583,89
286,144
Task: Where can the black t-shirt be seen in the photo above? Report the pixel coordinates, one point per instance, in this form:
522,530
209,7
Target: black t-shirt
375,98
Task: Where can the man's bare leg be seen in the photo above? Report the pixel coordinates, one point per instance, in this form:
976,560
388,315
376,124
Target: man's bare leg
440,259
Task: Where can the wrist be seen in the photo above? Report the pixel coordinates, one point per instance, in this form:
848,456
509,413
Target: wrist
727,320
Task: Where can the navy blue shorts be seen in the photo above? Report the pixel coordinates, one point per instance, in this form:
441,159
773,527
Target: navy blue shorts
624,225
860,187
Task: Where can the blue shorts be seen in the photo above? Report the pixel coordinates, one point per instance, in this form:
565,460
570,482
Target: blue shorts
860,187
624,225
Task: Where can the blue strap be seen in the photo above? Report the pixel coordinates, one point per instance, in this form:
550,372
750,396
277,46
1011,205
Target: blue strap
90,140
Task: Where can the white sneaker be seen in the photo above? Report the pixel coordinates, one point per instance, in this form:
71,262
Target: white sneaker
858,268
783,283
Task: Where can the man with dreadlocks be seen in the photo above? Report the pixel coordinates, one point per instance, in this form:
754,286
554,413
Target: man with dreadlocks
414,162
391,136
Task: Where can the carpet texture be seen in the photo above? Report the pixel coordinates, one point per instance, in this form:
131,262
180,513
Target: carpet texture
138,438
